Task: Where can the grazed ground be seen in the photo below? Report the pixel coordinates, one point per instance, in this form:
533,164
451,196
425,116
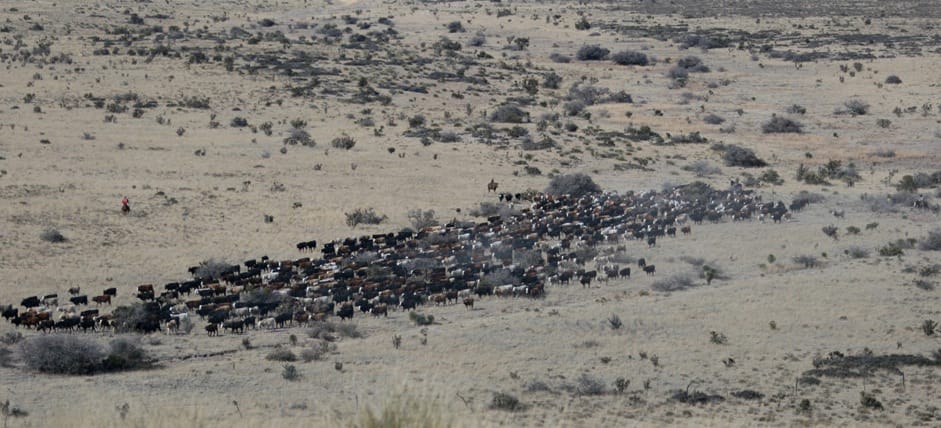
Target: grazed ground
202,193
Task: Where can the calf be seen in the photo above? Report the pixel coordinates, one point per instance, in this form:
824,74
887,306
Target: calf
686,230
75,290
469,303
212,329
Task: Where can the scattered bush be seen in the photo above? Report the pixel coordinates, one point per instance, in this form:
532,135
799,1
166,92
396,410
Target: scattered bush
591,53
477,40
343,142
60,354
509,113
771,177
615,322
536,386
717,338
928,327
893,79
421,319
589,385
743,157
857,252
455,27
211,268
125,354
53,236
854,107
807,261
932,242
488,209
702,168
630,58
782,125
364,216
238,122
329,331
796,109
803,199
290,373
559,58
576,185
422,219
891,250
315,353
673,283
713,119
281,354
693,64
299,136
869,401
831,231
504,401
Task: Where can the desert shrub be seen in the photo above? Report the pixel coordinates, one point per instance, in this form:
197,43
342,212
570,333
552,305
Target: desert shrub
559,58
679,75
125,354
536,386
883,123
782,125
807,261
583,24
421,219
417,121
329,331
477,40
713,119
576,185
857,252
883,153
803,199
403,411
281,354
924,284
615,322
445,44
509,113
421,319
211,268
315,353
897,248
893,79
854,107
290,373
796,109
831,231
364,216
691,138
673,283
695,397
504,401
60,354
717,338
260,297
487,209
52,235
238,122
299,136
11,338
455,27
693,64
551,80
591,53
589,385
869,401
771,177
630,58
741,156
702,168
932,242
748,394
343,142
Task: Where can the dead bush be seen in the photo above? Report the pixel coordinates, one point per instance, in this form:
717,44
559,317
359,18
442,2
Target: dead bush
61,354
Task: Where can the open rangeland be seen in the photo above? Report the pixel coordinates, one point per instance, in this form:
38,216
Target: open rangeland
469,213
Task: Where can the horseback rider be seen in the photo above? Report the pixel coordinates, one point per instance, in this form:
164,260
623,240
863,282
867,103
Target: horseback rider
125,205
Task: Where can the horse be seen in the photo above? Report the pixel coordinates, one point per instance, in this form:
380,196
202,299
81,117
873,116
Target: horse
125,208
492,186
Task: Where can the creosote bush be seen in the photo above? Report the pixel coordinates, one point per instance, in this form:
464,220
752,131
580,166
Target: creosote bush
281,354
741,156
343,142
630,58
576,185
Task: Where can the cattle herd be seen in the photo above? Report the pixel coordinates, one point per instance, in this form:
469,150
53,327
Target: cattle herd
516,255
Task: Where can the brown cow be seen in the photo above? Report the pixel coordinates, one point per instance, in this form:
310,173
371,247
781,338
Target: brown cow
380,309
686,230
145,288
469,302
104,298
439,298
212,329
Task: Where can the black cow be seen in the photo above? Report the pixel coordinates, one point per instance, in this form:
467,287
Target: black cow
9,312
237,326
68,323
113,292
31,302
652,241
281,319
641,262
90,313
79,300
87,323
346,311
650,269
625,272
146,295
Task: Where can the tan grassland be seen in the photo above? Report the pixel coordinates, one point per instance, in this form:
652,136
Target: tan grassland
203,195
